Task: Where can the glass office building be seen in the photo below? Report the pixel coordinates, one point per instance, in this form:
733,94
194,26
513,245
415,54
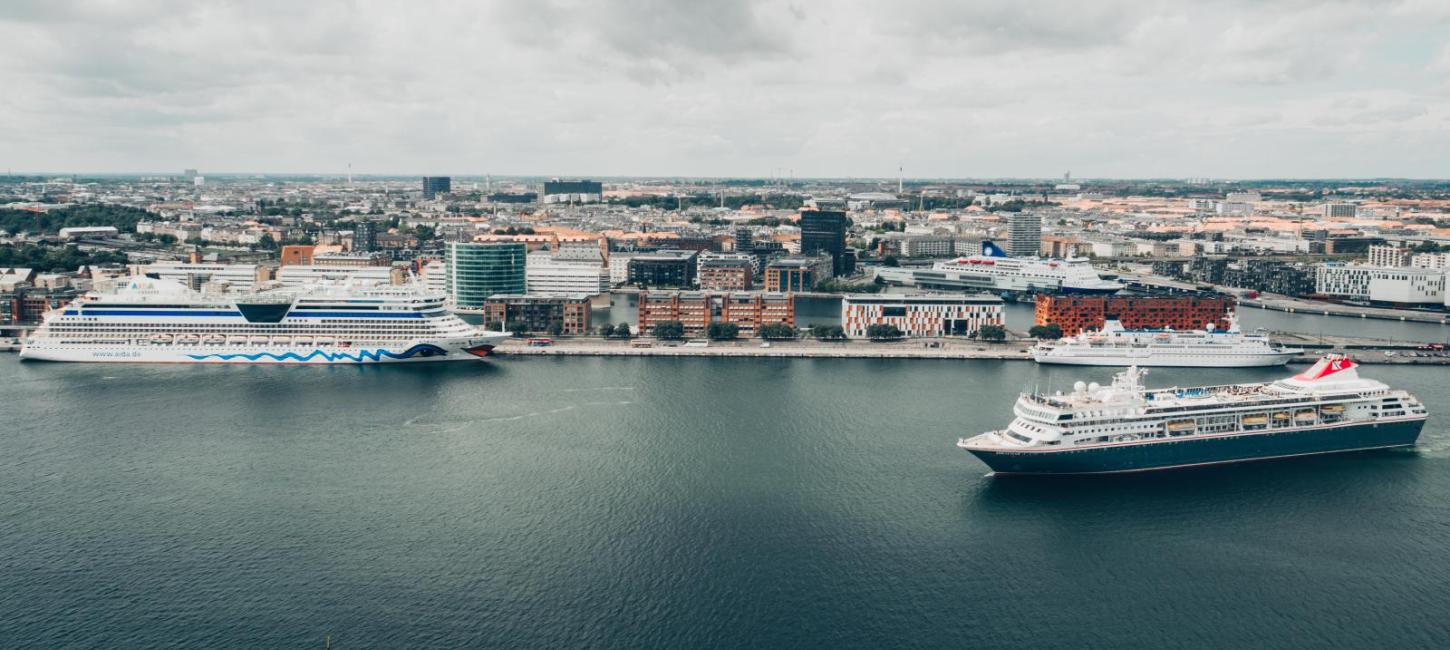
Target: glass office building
475,271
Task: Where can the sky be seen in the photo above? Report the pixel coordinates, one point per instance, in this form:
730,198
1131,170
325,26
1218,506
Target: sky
825,88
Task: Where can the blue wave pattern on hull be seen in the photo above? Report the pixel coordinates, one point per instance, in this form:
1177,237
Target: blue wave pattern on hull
362,356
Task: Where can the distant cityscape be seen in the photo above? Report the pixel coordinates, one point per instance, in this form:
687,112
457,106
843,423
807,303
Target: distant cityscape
714,256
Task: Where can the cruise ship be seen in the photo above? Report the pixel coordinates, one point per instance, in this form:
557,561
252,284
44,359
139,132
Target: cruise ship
1125,427
1206,348
993,270
151,320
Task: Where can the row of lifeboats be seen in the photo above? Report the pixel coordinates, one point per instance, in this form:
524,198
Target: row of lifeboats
1304,416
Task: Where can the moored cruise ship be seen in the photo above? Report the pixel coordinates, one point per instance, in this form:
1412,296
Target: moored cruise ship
994,271
1205,348
150,320
1124,427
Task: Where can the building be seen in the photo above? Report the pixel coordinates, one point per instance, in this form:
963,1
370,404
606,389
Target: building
667,268
1025,235
725,274
920,315
295,275
928,246
696,310
1075,313
1406,286
365,236
351,260
619,268
1389,256
550,275
1430,260
793,274
538,313
585,191
435,185
82,232
824,231
1243,197
516,197
744,240
1343,210
239,276
476,270
294,254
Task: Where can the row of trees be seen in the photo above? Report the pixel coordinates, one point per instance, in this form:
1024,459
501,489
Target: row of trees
55,259
122,218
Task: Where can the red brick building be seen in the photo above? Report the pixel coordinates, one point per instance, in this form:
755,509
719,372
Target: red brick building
1077,313
697,309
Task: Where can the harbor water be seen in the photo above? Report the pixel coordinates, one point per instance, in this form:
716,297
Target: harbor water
674,503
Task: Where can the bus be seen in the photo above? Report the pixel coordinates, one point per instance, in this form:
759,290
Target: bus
539,342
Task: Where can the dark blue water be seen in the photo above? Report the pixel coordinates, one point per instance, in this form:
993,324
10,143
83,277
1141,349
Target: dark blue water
669,503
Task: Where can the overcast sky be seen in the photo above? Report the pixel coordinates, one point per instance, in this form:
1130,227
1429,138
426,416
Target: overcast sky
946,88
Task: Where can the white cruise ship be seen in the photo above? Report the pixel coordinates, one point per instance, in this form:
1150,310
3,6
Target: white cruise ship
1205,348
994,271
150,320
1125,427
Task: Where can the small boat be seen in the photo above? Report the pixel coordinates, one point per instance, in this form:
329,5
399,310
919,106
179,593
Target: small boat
1305,416
1181,425
1255,420
1280,417
1332,409
188,339
214,339
160,338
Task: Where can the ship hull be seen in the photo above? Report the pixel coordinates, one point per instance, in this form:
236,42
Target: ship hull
1170,360
416,352
1204,450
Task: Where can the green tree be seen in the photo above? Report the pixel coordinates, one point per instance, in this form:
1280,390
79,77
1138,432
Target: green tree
992,333
518,327
777,332
556,328
606,330
669,330
883,332
890,260
722,331
828,332
1051,331
622,331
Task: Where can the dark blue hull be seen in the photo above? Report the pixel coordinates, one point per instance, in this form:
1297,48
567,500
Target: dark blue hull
1206,450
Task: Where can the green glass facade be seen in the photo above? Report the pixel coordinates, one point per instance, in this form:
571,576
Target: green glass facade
479,270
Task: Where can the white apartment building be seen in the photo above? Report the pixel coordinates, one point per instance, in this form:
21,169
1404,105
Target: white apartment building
1400,286
1340,210
619,267
238,276
1389,256
1430,260
923,315
545,274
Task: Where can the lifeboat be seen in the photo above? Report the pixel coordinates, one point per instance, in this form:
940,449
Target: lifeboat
1281,416
1255,420
281,340
188,339
323,342
1332,409
214,339
237,340
1181,425
1304,416
160,338
259,340
303,340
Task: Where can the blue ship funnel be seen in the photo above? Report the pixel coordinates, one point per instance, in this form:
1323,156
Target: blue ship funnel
991,250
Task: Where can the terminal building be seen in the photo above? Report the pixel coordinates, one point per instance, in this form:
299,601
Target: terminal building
696,310
1395,286
920,315
1076,313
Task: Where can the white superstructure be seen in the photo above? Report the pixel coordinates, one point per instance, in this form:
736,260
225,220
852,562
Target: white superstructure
1205,348
151,320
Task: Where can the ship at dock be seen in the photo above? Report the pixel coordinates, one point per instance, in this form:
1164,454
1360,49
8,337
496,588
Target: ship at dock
1206,348
994,271
160,321
1124,427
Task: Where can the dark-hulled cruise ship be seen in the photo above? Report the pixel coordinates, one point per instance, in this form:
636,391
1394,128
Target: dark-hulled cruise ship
1124,427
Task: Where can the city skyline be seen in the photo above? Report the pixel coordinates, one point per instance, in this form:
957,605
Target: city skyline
731,89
